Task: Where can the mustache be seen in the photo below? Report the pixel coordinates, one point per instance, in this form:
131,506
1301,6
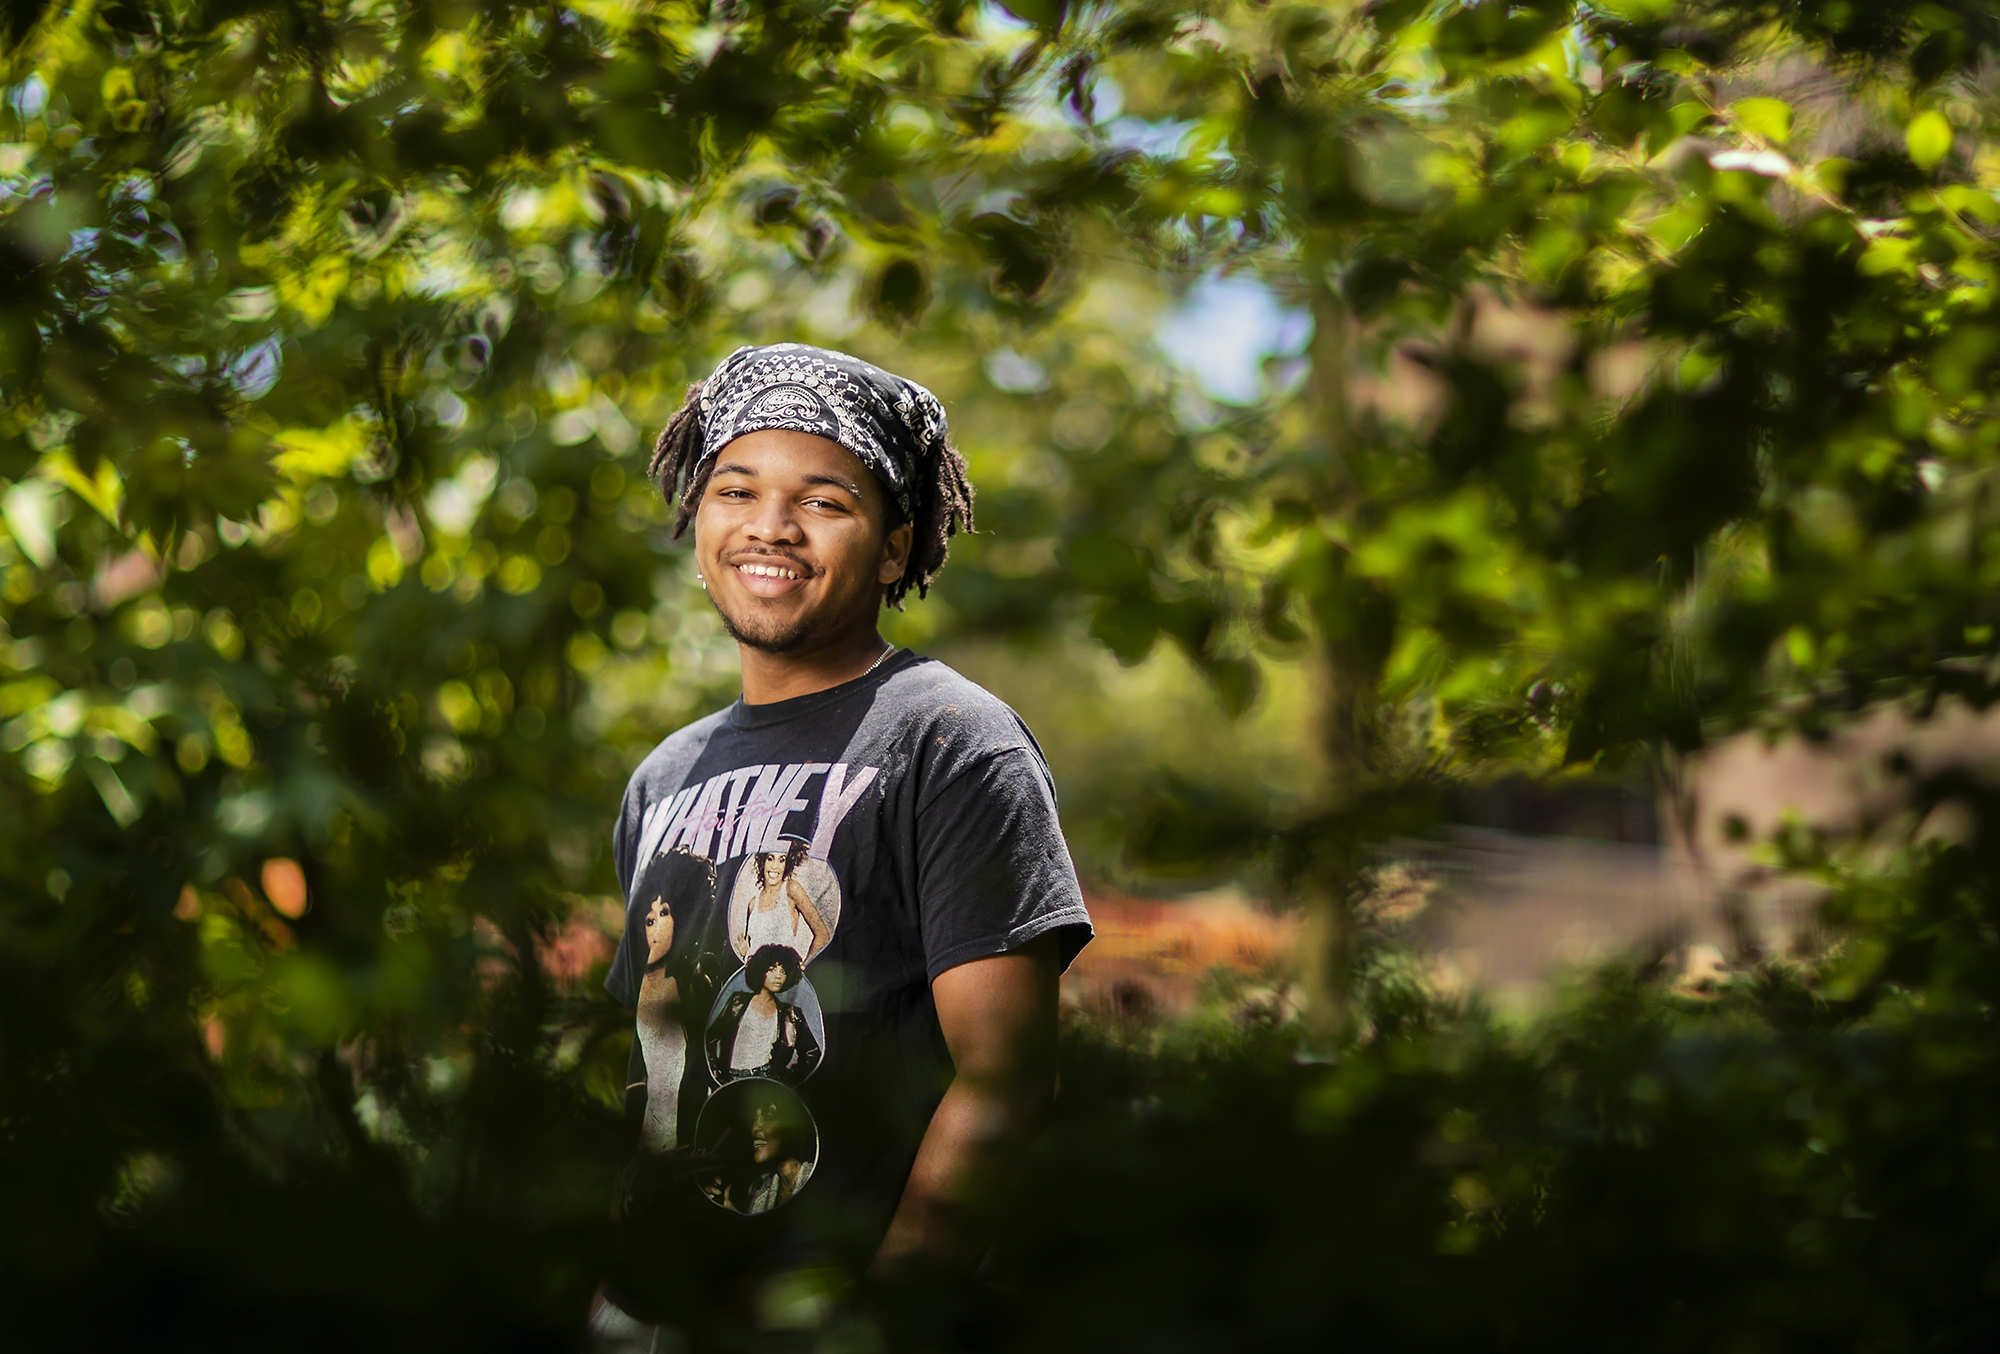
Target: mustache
769,557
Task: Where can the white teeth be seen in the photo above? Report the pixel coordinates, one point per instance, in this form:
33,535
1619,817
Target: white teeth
766,571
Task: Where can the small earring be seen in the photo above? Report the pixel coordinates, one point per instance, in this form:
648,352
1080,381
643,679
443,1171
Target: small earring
704,582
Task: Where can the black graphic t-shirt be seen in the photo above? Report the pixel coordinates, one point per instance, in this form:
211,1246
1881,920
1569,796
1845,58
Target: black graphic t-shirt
795,876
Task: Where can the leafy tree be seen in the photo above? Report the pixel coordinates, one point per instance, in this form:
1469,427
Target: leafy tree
331,575
1645,398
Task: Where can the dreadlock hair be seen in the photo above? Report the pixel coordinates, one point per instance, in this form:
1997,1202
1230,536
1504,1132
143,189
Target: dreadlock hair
940,496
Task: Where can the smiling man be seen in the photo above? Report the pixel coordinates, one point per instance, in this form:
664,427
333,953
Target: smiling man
867,812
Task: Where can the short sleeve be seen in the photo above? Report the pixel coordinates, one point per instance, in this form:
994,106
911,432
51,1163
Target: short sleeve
622,981
993,872
625,844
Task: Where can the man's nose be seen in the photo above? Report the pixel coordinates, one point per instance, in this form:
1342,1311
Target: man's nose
774,522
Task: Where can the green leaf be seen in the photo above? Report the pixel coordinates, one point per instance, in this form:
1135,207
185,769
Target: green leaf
1682,118
29,509
117,799
1022,257
1236,682
899,291
1127,627
1769,119
651,140
1393,16
1103,562
1046,15
1929,138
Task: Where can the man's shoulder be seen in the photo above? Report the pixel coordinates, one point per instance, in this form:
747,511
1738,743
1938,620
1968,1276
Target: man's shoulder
952,713
668,764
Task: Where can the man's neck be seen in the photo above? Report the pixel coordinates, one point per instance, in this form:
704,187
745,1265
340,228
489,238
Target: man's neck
769,677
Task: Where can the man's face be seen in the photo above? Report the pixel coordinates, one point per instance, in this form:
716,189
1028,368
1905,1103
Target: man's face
793,541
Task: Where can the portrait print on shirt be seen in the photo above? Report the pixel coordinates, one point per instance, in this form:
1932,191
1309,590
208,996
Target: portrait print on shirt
767,1021
763,1142
783,897
784,904
661,1036
677,981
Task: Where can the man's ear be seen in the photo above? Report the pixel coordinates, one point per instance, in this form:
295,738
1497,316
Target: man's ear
895,554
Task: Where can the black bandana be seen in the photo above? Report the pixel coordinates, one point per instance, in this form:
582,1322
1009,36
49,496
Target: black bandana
892,424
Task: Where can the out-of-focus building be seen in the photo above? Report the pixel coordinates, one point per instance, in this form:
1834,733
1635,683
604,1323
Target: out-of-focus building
1151,956
1536,879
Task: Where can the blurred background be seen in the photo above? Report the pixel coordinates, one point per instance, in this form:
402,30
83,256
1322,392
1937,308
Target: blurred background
1487,507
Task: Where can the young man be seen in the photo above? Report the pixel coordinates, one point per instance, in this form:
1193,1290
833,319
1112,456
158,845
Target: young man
885,823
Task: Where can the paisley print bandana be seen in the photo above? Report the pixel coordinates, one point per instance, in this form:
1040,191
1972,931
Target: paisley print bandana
891,423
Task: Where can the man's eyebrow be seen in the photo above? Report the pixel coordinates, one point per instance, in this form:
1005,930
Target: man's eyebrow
837,481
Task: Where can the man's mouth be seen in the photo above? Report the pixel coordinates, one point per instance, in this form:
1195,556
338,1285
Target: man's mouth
771,577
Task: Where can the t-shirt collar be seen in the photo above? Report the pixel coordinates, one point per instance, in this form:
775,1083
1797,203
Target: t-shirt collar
764,716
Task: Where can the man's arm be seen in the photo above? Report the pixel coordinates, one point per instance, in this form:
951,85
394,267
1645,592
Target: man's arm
999,1021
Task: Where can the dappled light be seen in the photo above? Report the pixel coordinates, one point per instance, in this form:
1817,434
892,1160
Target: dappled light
1487,509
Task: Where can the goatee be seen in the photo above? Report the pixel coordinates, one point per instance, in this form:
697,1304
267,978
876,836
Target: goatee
788,640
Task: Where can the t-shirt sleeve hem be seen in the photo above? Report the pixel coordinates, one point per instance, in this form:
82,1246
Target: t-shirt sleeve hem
1075,921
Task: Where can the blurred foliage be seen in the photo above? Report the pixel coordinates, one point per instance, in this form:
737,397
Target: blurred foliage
1645,398
1753,1168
